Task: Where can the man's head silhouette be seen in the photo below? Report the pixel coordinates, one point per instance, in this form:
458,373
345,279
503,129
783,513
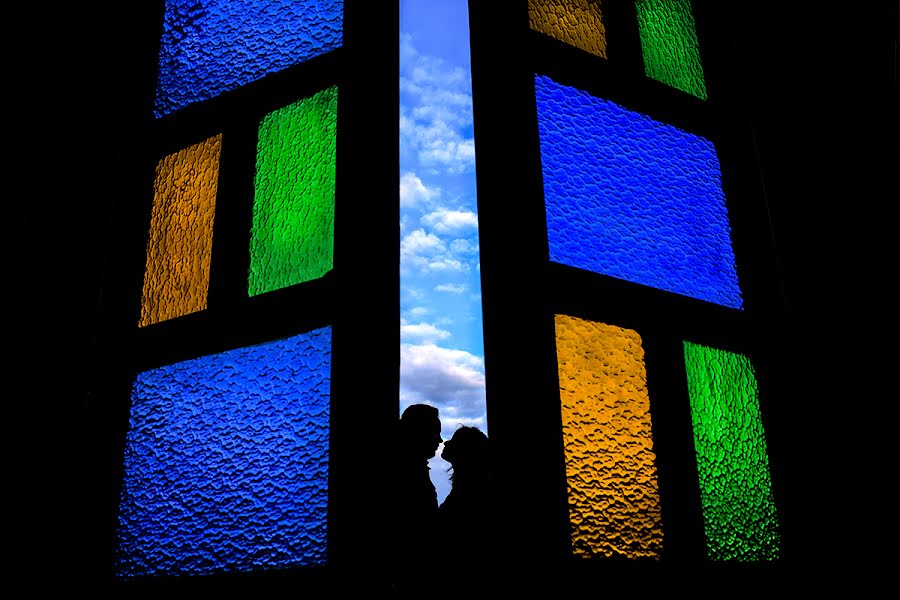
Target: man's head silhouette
420,431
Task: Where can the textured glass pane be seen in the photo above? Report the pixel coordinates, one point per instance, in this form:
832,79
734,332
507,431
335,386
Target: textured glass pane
575,22
212,46
735,486
293,210
226,461
670,47
633,198
610,464
176,279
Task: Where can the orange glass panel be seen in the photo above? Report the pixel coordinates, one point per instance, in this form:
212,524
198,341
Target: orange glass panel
179,248
613,495
578,23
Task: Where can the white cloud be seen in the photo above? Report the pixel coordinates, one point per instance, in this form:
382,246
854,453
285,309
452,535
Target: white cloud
444,264
463,246
453,108
413,293
423,332
436,107
413,192
444,220
452,380
418,311
419,243
452,288
438,145
441,90
407,125
427,253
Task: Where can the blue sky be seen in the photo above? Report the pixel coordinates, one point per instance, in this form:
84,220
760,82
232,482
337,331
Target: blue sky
441,342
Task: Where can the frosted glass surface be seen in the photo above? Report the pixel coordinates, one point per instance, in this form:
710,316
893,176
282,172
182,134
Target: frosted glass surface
213,46
578,23
293,212
613,493
179,247
669,43
630,197
739,513
226,461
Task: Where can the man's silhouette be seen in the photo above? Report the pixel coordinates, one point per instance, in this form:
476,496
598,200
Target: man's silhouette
415,521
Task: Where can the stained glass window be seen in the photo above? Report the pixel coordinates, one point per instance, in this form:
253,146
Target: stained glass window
213,46
179,248
293,212
735,484
633,198
578,23
613,493
669,42
226,461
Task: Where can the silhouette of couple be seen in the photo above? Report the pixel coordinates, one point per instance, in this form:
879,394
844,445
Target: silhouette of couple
454,533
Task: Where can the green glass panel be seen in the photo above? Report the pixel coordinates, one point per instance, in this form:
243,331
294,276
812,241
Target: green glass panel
669,42
292,240
739,513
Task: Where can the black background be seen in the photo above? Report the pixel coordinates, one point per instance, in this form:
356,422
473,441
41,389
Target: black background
821,93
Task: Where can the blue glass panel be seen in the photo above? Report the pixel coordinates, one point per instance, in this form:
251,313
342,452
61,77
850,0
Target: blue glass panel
226,461
212,46
632,198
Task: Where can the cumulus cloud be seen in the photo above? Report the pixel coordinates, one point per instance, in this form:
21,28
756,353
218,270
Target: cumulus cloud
441,90
427,253
415,193
436,107
417,245
451,380
418,311
444,220
443,265
452,288
422,332
463,246
438,145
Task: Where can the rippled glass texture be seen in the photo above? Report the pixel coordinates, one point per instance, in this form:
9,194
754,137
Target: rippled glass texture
226,461
209,47
739,513
578,23
179,246
613,494
633,198
669,42
293,212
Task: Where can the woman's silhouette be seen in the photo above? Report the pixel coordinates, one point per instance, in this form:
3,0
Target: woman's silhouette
466,515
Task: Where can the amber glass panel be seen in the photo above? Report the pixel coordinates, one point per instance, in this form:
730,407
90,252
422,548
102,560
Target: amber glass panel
613,495
576,22
176,280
